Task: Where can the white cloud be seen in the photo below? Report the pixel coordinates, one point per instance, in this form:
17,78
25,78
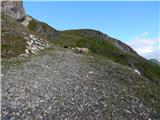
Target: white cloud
148,47
145,33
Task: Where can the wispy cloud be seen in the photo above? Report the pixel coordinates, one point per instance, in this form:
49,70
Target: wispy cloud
148,47
145,33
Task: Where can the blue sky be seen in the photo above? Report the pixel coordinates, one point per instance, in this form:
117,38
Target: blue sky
132,22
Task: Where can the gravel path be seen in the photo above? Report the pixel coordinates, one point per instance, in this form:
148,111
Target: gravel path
63,85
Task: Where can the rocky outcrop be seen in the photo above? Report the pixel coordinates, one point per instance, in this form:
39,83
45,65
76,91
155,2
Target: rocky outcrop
26,21
13,9
42,29
17,40
124,47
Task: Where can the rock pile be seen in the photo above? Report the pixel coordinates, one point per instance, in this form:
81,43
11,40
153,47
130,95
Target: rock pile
35,44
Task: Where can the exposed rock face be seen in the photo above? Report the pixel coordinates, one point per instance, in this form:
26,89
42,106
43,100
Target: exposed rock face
124,47
13,9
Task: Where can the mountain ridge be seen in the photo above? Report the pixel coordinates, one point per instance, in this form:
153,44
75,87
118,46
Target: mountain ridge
98,34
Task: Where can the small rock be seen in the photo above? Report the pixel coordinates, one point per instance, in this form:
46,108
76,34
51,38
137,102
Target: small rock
87,76
23,55
136,71
27,51
127,111
2,75
90,72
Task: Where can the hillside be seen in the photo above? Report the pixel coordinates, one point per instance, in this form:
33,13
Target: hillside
60,84
108,47
17,40
43,78
102,44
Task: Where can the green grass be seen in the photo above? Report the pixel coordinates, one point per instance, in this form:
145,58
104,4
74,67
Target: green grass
13,46
32,25
148,93
42,29
11,62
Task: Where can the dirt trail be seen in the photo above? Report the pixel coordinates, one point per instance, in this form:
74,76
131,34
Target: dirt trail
63,85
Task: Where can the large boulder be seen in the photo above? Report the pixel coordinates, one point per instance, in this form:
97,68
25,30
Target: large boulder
13,9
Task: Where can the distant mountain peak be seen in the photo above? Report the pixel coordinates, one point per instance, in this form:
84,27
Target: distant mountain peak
156,61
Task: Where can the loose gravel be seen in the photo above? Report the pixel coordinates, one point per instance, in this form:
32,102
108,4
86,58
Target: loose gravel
63,85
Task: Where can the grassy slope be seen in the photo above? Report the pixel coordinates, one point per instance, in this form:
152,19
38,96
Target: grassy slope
107,49
14,46
12,40
13,33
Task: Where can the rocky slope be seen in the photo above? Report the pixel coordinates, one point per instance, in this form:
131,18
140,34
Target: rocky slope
60,84
111,82
43,29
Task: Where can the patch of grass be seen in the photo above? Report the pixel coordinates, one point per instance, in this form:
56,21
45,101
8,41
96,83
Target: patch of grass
14,62
150,95
32,25
13,46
